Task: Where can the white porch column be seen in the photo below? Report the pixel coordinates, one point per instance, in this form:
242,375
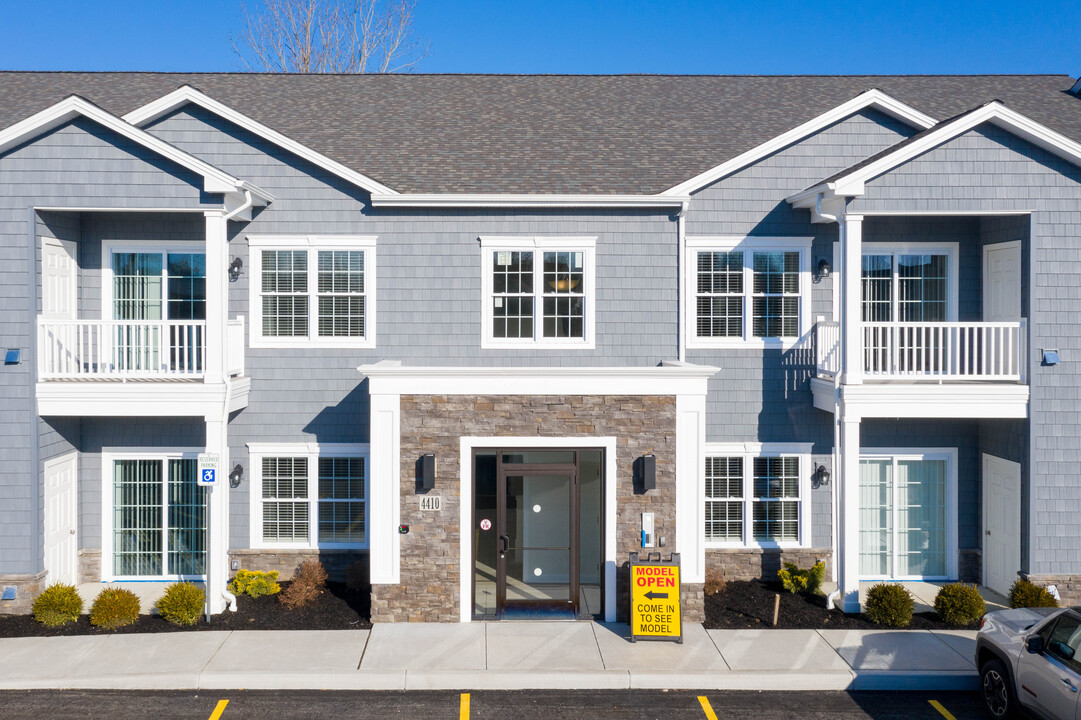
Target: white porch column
217,521
849,517
851,229
384,487
690,485
217,294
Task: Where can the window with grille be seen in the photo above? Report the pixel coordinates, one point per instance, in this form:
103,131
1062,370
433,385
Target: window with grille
720,294
755,498
341,293
285,499
905,287
775,305
724,498
342,506
776,499
285,293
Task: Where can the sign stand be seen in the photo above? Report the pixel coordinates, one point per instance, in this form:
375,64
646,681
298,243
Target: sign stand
207,473
655,599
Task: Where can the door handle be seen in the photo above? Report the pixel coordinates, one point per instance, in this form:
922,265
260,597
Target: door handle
1069,684
504,544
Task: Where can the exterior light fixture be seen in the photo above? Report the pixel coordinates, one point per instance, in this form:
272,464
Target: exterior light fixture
822,475
426,472
234,268
647,472
824,268
236,475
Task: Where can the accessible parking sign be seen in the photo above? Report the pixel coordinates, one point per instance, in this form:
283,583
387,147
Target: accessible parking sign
655,608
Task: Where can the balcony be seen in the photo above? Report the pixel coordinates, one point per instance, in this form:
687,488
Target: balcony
928,369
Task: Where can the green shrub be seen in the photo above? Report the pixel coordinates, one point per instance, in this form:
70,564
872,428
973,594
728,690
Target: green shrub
308,582
182,603
807,581
114,608
255,583
57,605
959,604
889,604
1024,594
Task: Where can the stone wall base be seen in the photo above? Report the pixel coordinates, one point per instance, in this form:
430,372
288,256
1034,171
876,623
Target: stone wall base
692,599
27,588
1069,586
970,566
89,566
761,563
286,562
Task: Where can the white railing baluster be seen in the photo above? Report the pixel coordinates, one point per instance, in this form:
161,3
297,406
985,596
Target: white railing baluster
120,349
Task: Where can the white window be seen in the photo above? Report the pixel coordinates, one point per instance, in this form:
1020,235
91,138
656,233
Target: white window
747,291
905,282
309,496
538,292
312,290
757,495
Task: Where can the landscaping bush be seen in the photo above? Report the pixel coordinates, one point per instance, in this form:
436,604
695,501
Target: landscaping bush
182,603
1024,594
889,604
255,583
807,581
114,608
714,582
959,604
57,605
308,582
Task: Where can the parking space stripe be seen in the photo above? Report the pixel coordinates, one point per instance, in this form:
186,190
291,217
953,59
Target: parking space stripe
707,708
218,710
942,711
463,713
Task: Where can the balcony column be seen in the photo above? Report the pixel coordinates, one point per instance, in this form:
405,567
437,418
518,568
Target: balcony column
217,294
848,520
851,230
217,517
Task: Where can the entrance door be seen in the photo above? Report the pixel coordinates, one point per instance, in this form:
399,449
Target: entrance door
1002,282
61,513
59,272
1001,523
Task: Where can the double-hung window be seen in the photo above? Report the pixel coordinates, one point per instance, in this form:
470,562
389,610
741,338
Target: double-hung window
743,291
309,496
312,290
538,292
757,494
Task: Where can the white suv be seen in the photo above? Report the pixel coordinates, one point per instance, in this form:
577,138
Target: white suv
1030,659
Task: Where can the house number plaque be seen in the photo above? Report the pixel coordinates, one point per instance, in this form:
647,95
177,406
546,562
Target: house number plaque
432,503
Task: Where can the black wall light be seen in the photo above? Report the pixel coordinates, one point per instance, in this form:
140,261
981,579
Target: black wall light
646,470
824,269
234,268
822,476
426,472
236,475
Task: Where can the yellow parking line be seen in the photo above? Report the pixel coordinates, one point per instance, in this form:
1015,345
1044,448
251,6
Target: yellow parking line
707,708
942,711
218,710
463,713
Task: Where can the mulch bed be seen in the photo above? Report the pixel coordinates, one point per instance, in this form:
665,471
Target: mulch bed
337,608
748,605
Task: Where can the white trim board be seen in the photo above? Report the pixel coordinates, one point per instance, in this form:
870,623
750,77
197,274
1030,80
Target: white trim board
497,200
187,94
874,99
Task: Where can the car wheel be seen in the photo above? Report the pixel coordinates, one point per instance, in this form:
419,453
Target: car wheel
997,690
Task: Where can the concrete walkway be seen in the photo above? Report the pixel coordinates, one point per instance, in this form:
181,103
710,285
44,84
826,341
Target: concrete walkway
510,655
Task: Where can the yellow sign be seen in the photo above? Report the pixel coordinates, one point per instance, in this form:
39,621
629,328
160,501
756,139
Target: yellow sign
655,610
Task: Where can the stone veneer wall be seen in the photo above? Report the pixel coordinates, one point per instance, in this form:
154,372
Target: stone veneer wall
761,563
27,588
89,565
431,551
286,561
1069,586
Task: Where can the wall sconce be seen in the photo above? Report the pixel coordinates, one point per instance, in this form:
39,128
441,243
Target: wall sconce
426,472
646,470
12,356
234,269
822,476
824,269
236,475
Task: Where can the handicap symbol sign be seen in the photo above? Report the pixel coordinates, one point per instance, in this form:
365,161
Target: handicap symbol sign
207,469
208,476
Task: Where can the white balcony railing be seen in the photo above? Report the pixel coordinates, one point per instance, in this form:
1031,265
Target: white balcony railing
940,351
234,346
121,349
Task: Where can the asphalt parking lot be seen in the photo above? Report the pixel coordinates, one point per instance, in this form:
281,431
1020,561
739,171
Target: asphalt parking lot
488,705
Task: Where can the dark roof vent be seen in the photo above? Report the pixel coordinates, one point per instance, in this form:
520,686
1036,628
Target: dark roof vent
1076,89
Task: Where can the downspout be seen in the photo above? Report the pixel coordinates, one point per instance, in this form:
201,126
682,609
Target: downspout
681,241
835,545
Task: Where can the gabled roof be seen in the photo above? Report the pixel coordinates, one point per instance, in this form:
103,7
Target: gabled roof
547,134
214,180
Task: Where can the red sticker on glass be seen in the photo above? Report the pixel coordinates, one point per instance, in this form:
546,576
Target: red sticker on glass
485,524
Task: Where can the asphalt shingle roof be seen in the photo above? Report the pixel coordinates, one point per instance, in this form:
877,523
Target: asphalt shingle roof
540,133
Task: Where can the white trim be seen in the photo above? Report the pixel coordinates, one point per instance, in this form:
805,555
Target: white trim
948,454
498,200
586,245
873,98
312,244
187,94
899,399
748,244
312,452
465,504
748,451
108,456
79,398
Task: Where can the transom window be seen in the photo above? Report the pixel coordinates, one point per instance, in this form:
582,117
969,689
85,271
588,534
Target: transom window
756,495
538,292
747,289
310,496
321,294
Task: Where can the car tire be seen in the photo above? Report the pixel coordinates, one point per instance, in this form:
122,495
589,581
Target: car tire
996,689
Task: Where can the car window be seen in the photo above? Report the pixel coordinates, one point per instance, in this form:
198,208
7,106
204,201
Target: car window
1064,642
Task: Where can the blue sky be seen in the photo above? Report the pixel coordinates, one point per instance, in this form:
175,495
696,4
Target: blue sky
563,36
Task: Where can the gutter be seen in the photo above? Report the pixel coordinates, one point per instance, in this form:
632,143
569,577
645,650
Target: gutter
475,200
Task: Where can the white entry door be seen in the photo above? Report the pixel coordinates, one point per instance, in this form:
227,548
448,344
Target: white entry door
1001,523
61,513
1002,282
59,273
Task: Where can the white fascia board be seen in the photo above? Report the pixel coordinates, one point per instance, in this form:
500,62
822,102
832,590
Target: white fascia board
931,400
214,180
463,200
874,98
187,94
389,378
136,399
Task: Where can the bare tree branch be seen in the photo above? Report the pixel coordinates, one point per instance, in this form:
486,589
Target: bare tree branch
329,36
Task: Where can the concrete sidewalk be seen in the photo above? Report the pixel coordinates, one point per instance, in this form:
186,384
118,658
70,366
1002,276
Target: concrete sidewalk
510,655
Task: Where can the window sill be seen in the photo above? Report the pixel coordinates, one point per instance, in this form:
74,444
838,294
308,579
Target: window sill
754,344
532,345
262,343
714,545
307,546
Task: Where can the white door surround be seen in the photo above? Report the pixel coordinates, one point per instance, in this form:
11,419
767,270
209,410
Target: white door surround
1002,281
1001,522
61,519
